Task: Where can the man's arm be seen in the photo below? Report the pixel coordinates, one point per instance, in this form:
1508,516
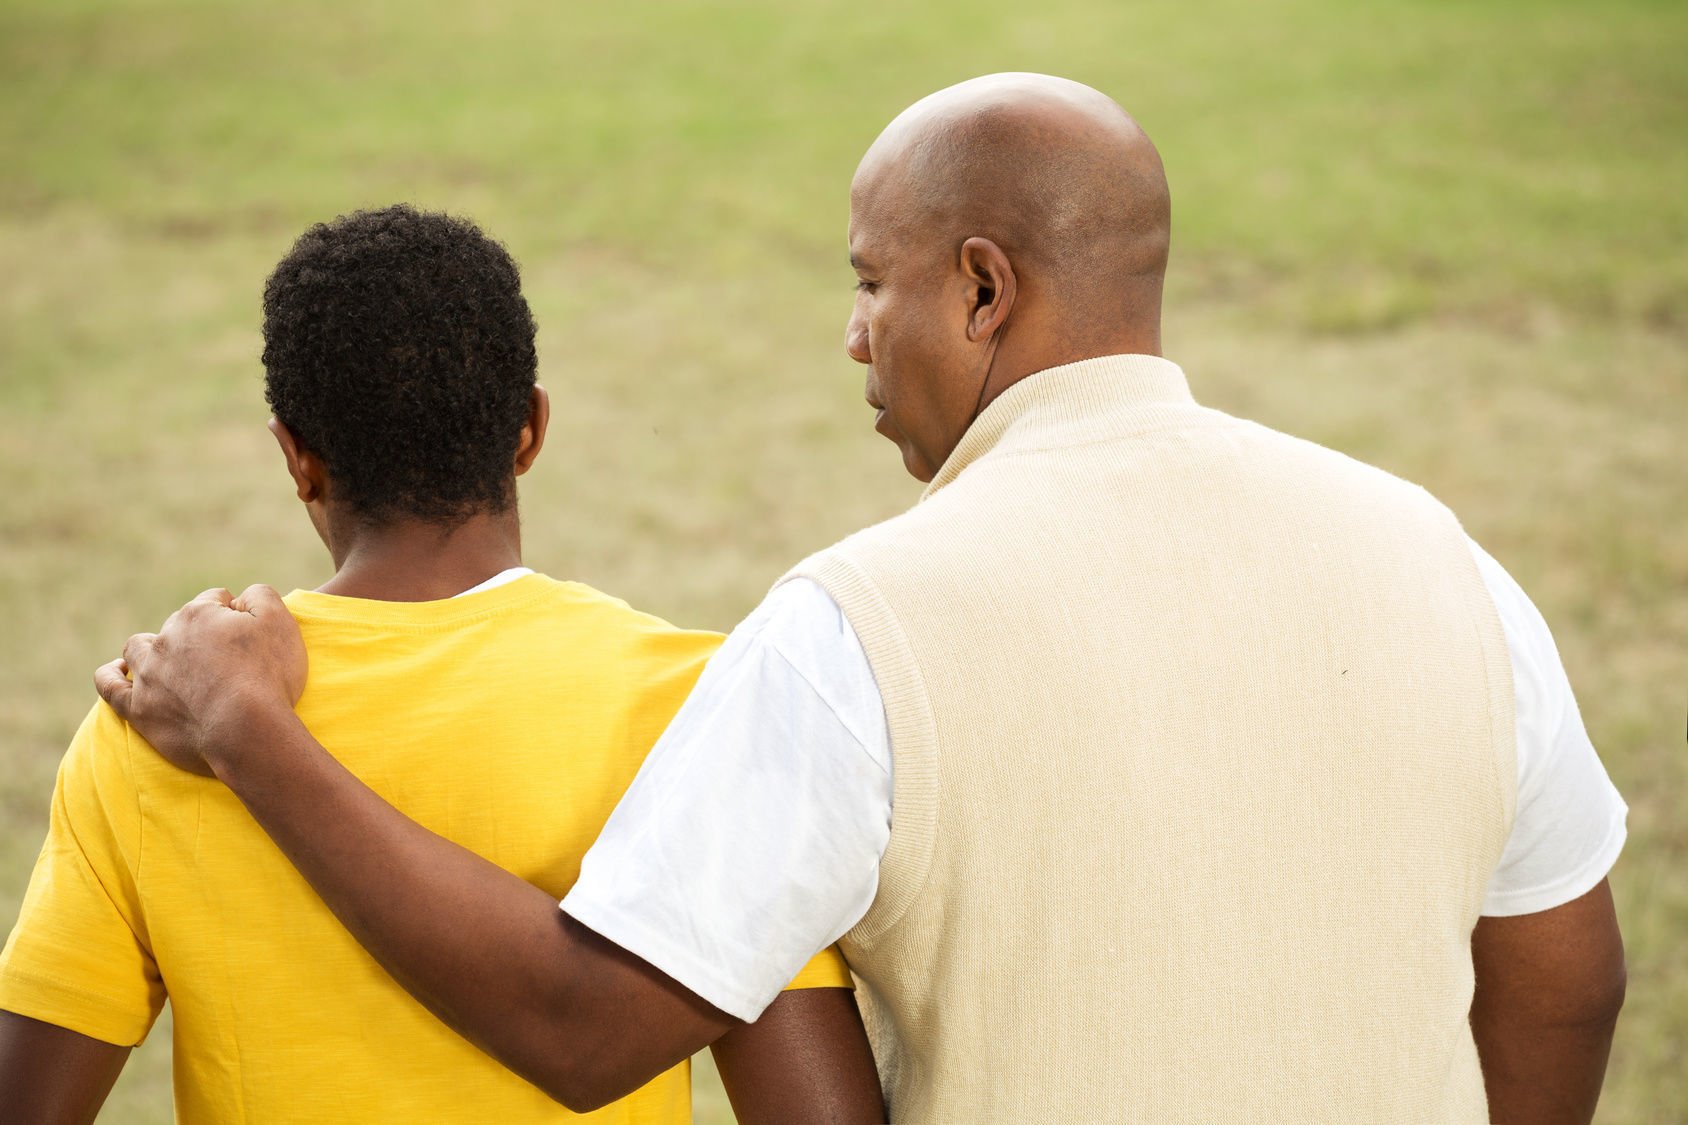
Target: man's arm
487,952
491,955
806,1059
1549,987
52,1076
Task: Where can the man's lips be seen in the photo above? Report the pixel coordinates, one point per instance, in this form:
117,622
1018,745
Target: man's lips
878,409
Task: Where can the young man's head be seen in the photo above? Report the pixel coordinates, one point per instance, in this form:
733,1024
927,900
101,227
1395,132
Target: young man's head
399,363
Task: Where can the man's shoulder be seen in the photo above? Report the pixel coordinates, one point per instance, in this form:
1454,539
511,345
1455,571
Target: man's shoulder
1252,464
860,545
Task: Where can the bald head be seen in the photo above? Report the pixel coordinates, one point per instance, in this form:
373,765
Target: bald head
1052,171
999,228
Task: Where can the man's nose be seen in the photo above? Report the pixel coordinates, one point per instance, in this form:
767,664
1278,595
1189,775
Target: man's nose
855,340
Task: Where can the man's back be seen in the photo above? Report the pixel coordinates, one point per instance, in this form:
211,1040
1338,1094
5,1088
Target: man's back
508,720
1202,745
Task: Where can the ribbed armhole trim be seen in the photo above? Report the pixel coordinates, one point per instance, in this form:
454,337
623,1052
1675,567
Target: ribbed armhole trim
914,738
1503,698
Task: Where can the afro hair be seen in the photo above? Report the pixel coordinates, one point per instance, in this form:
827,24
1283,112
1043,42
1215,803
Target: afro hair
399,349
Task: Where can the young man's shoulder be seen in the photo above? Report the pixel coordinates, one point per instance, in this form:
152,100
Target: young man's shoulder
534,626
533,597
99,764
668,654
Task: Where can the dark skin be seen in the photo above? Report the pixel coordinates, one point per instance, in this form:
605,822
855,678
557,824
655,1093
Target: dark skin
1549,988
998,228
601,1027
51,1076
965,285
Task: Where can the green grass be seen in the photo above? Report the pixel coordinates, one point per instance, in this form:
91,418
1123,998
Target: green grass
1446,238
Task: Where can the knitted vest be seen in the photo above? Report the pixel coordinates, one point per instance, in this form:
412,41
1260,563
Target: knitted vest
1203,756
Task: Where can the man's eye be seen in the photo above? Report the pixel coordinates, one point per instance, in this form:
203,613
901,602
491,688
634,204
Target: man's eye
866,286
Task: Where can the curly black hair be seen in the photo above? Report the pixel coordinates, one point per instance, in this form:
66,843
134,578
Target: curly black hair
398,348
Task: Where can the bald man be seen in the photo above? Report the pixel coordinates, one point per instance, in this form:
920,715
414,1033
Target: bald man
1156,766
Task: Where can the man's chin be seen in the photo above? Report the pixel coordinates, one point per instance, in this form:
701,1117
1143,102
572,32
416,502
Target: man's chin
913,463
917,466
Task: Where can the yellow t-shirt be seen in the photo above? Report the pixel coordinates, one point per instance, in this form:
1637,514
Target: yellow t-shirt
509,720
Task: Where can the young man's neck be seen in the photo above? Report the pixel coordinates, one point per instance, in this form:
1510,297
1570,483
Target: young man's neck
415,561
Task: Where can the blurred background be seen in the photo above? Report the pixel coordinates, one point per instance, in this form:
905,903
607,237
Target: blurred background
1447,238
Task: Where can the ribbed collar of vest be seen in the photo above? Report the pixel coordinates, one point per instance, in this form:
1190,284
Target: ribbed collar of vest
1068,405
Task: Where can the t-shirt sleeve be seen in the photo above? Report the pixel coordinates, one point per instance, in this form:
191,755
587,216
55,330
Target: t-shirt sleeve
1569,825
826,969
752,835
78,957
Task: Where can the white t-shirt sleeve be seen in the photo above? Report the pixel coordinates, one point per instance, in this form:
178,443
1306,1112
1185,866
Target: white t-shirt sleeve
1569,824
750,839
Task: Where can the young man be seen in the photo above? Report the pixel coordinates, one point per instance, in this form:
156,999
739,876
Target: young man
505,710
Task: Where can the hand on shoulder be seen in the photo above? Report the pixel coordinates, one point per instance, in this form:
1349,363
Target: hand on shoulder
219,667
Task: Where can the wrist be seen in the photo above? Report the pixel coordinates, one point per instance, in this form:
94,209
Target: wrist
247,730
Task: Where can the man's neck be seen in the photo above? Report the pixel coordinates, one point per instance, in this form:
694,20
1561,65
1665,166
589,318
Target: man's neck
1056,347
414,561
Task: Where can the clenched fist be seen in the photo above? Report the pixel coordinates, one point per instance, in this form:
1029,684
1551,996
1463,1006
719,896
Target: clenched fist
219,667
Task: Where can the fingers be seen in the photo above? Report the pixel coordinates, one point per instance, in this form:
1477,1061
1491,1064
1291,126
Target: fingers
112,682
217,597
260,601
285,644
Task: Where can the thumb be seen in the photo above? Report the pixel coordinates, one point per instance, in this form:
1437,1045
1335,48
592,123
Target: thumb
112,682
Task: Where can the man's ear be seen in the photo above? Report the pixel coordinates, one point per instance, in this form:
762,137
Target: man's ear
991,287
533,430
309,477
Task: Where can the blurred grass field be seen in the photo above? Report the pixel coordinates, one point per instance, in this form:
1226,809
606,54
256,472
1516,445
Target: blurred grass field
1450,239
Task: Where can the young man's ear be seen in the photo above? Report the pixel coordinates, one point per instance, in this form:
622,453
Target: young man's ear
992,287
306,468
533,430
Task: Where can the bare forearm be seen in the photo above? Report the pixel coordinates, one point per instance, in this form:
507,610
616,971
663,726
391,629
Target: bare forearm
488,953
475,944
806,1059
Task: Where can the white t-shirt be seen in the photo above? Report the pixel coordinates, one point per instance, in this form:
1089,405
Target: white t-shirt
751,837
503,577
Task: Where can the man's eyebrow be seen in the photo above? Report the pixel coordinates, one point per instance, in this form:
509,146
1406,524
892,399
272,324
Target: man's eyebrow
857,262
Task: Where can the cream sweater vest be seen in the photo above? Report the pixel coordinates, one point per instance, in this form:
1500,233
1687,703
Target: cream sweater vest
1203,757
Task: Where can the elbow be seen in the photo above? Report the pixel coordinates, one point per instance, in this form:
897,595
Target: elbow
1596,1008
579,1089
1611,1002
583,1073
572,1065
576,1097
